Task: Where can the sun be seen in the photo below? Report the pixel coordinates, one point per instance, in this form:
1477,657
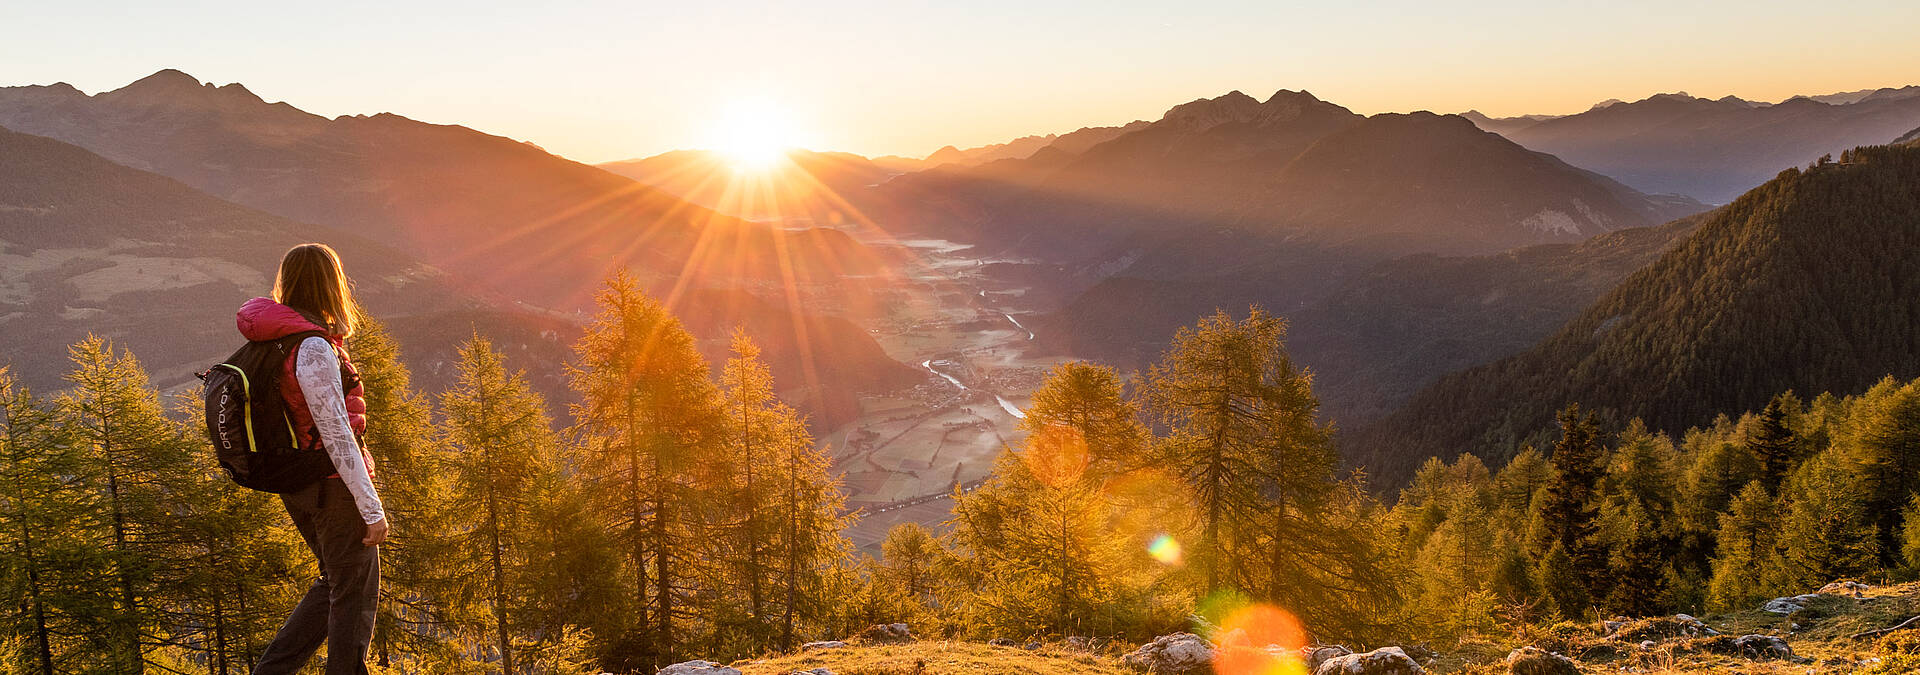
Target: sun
754,134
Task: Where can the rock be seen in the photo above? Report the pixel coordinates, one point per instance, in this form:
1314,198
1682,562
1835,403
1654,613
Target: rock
1080,643
816,671
885,633
1852,589
1002,642
1420,653
1032,646
1537,661
1314,656
1382,661
1789,605
1763,647
1176,654
697,668
823,644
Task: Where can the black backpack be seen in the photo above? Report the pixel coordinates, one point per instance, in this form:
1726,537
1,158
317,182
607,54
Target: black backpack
248,423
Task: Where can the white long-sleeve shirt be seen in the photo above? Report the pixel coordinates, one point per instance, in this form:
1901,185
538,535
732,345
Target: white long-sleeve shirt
318,369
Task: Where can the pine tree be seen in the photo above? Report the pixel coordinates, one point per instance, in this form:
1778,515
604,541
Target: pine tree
1570,503
910,560
1772,444
503,448
651,420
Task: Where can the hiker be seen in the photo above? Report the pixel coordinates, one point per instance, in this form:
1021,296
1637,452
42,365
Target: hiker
339,516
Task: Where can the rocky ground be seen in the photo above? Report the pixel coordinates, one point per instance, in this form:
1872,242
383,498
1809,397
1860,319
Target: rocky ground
1843,628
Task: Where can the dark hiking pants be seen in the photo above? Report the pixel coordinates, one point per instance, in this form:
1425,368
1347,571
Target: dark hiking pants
339,609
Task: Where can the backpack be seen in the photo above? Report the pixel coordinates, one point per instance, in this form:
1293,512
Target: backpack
247,419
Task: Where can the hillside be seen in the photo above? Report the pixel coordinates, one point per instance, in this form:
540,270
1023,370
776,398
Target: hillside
1713,150
504,215
1376,334
89,246
1809,283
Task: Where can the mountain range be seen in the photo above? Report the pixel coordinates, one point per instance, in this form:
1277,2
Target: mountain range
503,215
1713,149
515,235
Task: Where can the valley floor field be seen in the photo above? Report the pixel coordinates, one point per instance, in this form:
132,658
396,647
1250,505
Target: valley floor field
908,450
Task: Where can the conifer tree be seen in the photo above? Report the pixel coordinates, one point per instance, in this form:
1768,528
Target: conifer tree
46,561
502,449
1746,564
1563,584
1570,502
651,419
1772,444
1881,438
415,562
132,458
787,536
910,560
1257,463
1828,530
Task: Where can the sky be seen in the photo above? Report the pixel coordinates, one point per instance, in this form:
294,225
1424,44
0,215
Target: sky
600,80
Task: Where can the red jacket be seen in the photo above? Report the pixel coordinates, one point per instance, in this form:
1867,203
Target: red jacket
262,319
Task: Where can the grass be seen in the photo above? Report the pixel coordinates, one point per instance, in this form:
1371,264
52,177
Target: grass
938,658
1821,637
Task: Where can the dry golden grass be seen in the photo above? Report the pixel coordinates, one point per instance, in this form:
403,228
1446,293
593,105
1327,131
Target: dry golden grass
938,658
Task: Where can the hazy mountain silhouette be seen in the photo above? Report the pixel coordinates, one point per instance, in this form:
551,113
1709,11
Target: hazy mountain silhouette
1810,282
1292,166
88,246
1713,150
493,210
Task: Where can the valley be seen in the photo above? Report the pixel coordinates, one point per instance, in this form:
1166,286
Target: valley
907,451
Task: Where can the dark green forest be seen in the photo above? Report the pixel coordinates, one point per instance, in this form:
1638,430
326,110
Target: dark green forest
1806,281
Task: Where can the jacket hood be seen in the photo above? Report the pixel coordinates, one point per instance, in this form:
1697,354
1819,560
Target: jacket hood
262,319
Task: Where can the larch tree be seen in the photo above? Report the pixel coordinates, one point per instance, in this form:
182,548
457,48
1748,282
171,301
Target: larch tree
650,418
407,448
502,447
133,458
1258,465
47,561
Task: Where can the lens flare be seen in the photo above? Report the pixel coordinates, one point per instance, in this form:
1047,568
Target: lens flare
1165,549
1260,639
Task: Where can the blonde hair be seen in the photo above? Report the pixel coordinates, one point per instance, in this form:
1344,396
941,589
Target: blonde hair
311,280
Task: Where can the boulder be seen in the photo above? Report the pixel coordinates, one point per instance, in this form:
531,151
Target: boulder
1789,605
823,644
815,671
1080,643
697,668
1537,661
1003,642
1382,661
1852,589
1763,647
1176,654
1312,657
885,633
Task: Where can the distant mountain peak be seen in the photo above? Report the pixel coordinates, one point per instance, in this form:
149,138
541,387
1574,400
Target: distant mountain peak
945,154
1235,106
164,80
